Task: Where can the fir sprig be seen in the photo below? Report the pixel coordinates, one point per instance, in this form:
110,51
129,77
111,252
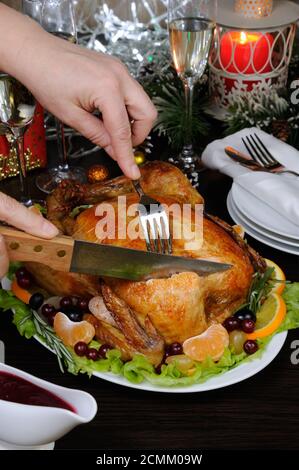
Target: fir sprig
260,289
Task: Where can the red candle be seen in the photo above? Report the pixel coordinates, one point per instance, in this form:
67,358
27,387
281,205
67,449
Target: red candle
246,52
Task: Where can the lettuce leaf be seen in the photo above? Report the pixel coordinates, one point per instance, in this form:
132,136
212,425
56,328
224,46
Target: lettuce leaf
22,318
139,368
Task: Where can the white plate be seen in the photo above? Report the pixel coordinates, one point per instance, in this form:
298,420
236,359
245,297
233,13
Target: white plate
262,214
238,374
274,236
257,235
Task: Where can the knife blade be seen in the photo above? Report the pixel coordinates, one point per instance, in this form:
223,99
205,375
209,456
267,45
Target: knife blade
241,158
69,255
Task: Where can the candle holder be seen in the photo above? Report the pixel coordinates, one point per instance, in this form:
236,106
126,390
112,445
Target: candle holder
250,49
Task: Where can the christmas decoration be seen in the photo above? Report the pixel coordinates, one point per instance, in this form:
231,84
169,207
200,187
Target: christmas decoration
266,108
9,166
254,9
139,157
252,45
97,173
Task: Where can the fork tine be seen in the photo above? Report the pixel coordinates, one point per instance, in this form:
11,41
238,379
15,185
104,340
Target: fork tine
145,233
251,153
263,154
271,158
167,237
153,233
160,239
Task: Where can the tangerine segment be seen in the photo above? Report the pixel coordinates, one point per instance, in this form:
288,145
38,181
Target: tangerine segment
269,317
211,343
72,332
278,275
22,294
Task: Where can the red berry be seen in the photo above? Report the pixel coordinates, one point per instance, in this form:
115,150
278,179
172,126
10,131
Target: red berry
248,326
174,349
104,349
48,310
250,346
231,324
24,282
66,302
50,318
83,305
22,272
92,354
81,348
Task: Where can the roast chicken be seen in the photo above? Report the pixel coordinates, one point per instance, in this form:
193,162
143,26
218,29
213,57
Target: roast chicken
144,317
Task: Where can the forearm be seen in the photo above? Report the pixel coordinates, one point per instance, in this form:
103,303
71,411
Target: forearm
19,38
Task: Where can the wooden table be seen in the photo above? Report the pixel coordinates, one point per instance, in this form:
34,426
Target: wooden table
259,413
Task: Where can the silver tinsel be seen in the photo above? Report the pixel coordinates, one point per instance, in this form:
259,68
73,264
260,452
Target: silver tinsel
134,32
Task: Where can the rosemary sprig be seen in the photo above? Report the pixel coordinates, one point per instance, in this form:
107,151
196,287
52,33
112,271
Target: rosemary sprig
260,288
49,336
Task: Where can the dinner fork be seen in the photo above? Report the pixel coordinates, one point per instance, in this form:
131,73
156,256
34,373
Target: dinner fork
261,155
154,222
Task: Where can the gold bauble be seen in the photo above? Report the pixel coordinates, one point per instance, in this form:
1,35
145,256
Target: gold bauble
97,173
139,157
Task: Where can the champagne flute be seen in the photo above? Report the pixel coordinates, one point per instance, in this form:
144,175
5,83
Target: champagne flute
191,25
17,107
58,18
32,8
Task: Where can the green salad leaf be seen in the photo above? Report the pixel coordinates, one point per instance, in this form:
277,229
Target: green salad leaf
139,368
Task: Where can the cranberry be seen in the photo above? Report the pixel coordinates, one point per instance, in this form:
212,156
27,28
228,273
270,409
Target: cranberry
92,354
36,301
245,314
22,272
48,310
83,304
231,324
104,349
174,349
66,302
74,315
248,326
24,282
81,348
250,346
51,317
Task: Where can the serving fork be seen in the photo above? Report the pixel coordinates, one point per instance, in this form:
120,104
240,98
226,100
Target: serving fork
262,156
154,222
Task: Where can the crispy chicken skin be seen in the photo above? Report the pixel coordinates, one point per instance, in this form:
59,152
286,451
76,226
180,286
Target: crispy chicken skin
147,315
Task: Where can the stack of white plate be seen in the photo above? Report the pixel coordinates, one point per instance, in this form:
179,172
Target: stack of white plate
262,222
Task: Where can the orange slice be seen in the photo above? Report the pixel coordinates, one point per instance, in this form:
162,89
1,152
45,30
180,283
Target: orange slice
278,275
22,294
72,332
269,317
211,343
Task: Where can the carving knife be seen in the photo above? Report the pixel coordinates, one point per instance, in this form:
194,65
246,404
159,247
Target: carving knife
69,255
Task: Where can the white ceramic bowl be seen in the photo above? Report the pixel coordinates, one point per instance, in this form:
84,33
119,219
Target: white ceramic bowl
28,425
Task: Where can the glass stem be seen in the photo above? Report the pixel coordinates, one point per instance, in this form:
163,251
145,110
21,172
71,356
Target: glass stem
19,145
62,153
189,92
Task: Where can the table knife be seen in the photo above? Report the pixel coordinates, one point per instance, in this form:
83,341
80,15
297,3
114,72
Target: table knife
69,255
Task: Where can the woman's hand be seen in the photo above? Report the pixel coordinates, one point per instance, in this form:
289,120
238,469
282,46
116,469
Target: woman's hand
72,82
20,217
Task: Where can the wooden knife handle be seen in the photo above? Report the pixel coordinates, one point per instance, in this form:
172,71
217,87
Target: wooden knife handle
56,253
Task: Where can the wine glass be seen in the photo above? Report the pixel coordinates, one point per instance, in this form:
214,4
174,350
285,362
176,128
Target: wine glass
33,9
17,107
191,25
58,18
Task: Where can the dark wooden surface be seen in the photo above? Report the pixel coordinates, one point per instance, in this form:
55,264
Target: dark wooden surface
259,413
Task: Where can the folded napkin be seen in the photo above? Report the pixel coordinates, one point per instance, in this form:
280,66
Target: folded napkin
280,192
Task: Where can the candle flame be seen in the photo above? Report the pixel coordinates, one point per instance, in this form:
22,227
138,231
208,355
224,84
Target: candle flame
243,37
